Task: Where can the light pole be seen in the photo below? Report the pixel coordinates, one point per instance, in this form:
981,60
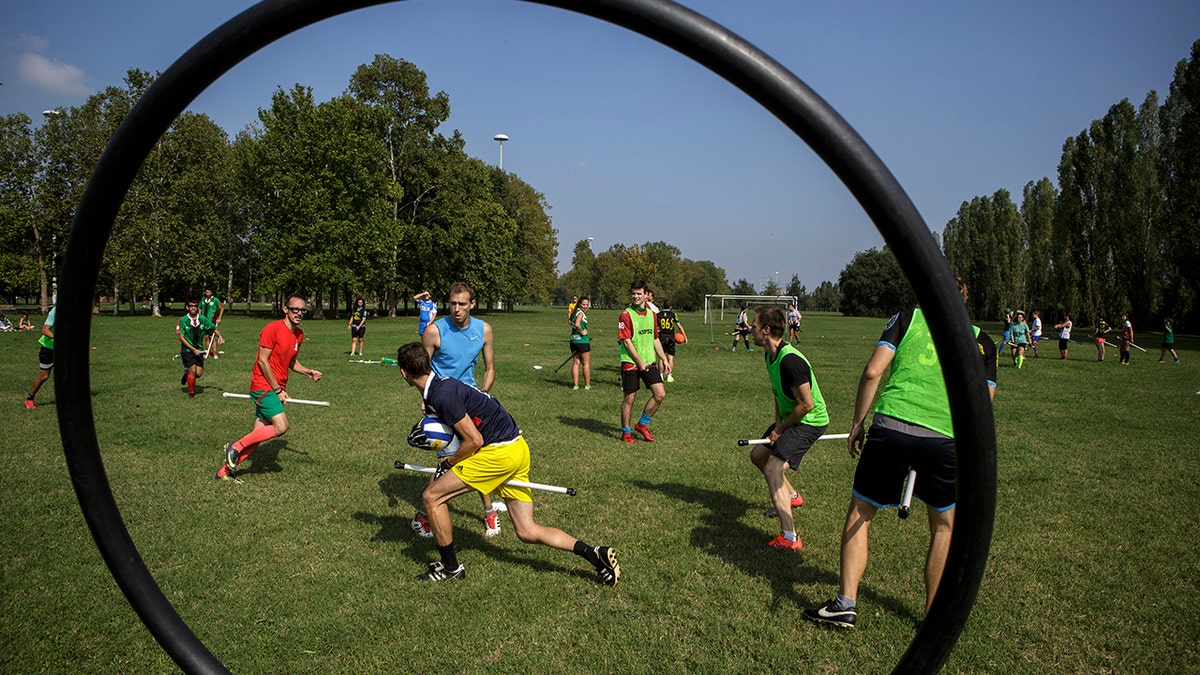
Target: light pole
50,114
501,138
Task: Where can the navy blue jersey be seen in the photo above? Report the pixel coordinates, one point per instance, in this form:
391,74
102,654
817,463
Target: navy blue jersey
451,399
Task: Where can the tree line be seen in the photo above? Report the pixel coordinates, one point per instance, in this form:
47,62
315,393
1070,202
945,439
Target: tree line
356,196
1120,233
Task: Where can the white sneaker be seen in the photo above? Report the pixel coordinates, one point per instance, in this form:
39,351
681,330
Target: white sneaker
670,378
499,505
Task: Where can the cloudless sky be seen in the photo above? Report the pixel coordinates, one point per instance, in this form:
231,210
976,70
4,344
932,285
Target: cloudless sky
631,142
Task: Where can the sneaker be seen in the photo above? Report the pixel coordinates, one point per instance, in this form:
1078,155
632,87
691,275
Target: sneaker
607,568
842,618
183,380
438,572
225,474
772,513
491,524
782,543
588,387
671,378
627,437
576,387
231,457
498,504
644,431
29,404
420,525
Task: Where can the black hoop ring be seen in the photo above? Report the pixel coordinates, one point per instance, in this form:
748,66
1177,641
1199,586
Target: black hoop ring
692,35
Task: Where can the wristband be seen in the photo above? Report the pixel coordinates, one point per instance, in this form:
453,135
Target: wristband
277,389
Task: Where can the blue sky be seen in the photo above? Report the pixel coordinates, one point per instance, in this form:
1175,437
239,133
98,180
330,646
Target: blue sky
632,142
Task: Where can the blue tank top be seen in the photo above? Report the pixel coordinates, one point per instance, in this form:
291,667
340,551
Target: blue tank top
459,350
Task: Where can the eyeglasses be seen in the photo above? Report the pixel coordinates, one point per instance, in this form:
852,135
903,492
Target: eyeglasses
298,310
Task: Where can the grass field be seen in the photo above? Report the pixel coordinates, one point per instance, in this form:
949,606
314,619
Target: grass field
308,565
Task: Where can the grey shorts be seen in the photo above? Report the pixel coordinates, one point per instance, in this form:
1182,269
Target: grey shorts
794,442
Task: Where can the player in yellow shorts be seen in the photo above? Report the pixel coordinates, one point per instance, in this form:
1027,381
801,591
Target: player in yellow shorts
491,451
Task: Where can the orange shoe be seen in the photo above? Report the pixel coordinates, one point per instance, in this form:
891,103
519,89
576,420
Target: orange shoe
644,431
782,543
627,437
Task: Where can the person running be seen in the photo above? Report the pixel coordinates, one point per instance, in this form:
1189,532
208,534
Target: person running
800,419
1064,334
45,358
212,309
1036,332
278,349
637,336
741,330
491,452
911,428
1099,333
454,344
581,345
358,326
427,311
192,329
793,318
1126,338
1020,339
1168,342
668,326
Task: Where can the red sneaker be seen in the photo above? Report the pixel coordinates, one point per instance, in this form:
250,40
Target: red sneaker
644,431
29,404
627,437
782,543
798,501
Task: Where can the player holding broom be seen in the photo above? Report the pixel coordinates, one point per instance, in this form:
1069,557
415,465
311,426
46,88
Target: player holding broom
491,451
800,419
278,347
192,328
911,428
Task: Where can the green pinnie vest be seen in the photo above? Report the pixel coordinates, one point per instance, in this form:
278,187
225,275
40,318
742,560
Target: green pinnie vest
818,416
643,337
915,391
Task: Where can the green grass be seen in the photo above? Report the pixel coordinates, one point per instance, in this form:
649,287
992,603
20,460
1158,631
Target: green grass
308,565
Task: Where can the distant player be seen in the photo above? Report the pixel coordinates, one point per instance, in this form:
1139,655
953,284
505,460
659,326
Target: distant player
581,345
192,329
1064,334
1126,338
1099,334
45,358
212,309
1168,342
794,317
427,311
1036,331
1019,330
491,452
668,326
741,330
358,326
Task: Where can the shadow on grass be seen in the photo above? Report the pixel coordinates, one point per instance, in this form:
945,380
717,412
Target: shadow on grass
595,426
721,534
468,532
265,459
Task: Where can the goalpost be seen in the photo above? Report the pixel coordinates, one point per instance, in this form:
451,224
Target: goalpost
714,304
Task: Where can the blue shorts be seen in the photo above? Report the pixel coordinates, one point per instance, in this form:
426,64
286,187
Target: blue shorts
886,458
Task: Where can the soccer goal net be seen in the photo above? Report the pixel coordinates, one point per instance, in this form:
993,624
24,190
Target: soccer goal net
715,306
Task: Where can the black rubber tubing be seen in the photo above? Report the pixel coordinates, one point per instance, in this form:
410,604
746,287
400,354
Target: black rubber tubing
670,24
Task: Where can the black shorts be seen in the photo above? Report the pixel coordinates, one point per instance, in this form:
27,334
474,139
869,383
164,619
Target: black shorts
1063,343
358,331
190,359
581,347
888,455
794,442
631,378
45,358
668,344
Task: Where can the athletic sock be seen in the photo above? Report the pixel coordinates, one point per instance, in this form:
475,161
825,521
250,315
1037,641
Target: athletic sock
249,442
626,430
789,535
795,494
191,383
449,557
644,420
586,552
842,603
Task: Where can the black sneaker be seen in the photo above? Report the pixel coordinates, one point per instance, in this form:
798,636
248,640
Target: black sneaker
606,566
842,618
438,572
